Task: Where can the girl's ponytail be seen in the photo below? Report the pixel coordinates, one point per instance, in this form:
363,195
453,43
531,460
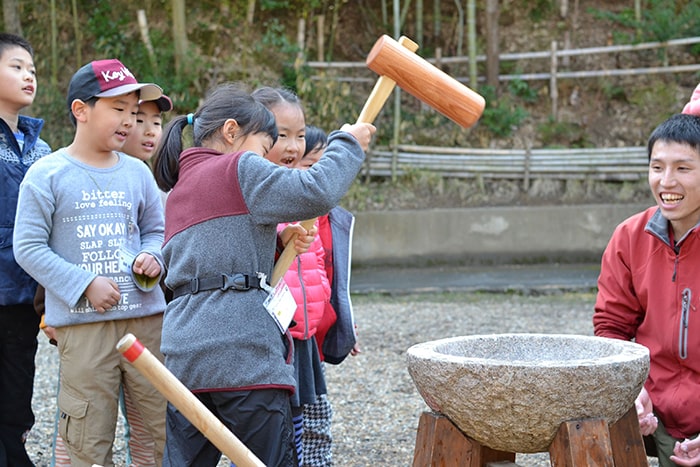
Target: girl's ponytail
166,164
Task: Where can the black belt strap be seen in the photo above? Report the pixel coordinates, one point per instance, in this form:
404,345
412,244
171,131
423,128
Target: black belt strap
236,281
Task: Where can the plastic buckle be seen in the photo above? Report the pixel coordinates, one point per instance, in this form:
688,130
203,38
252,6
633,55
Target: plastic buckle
194,285
235,282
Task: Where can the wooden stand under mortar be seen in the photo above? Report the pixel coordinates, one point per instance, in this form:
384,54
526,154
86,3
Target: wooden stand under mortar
578,443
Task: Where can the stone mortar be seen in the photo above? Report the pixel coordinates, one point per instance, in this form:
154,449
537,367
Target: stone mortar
511,392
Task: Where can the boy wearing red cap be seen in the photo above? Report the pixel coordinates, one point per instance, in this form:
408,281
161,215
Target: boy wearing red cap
141,144
89,229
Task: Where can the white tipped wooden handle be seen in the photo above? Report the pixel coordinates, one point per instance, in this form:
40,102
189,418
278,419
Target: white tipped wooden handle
382,89
192,408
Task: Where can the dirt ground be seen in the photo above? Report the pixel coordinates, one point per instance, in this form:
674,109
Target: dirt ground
376,404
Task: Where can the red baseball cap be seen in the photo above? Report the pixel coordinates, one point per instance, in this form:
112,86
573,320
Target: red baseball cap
108,78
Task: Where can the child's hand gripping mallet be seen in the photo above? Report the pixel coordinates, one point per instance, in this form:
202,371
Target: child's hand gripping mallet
186,402
380,93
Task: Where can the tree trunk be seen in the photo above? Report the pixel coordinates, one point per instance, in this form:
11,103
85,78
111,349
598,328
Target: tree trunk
404,12
437,24
385,15
250,15
54,44
179,35
460,26
419,21
301,43
471,15
321,21
563,8
334,27
77,30
492,49
10,12
146,38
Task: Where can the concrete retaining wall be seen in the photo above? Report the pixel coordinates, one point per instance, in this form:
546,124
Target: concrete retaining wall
490,235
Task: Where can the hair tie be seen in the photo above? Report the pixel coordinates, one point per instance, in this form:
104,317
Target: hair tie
190,119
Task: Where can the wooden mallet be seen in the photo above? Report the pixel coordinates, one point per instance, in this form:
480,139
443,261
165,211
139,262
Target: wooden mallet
374,103
182,398
397,64
425,81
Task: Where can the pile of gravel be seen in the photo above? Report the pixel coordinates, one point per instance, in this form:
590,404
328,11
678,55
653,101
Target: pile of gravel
376,405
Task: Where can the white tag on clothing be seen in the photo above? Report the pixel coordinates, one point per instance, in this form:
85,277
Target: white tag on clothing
281,305
126,259
126,264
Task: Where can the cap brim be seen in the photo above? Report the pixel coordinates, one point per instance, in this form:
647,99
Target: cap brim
148,91
164,103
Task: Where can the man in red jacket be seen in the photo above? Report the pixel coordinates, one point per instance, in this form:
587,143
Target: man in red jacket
649,287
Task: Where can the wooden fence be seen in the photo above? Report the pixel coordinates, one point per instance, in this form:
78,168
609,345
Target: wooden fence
605,164
553,60
608,164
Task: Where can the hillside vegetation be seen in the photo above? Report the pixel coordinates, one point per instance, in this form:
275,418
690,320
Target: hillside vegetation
223,46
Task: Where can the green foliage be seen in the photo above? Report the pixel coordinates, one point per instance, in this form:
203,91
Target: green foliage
222,47
426,126
612,90
656,95
362,197
540,9
327,101
275,38
415,177
563,134
502,115
661,20
51,106
108,27
522,89
271,5
409,187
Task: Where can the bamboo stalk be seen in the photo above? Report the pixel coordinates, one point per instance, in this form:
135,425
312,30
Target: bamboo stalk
146,38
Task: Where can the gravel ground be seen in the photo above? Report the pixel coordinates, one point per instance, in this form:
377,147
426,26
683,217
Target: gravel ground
376,405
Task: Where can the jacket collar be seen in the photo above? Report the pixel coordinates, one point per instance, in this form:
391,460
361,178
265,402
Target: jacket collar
30,126
658,226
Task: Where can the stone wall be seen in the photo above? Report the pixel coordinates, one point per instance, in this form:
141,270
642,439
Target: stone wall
493,235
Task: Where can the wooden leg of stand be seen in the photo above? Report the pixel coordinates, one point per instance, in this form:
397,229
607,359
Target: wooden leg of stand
582,442
627,442
440,443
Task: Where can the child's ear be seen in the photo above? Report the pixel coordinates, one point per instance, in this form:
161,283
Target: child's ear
230,130
79,110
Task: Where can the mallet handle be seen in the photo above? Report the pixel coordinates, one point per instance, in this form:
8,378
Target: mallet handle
374,103
288,254
186,402
382,89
